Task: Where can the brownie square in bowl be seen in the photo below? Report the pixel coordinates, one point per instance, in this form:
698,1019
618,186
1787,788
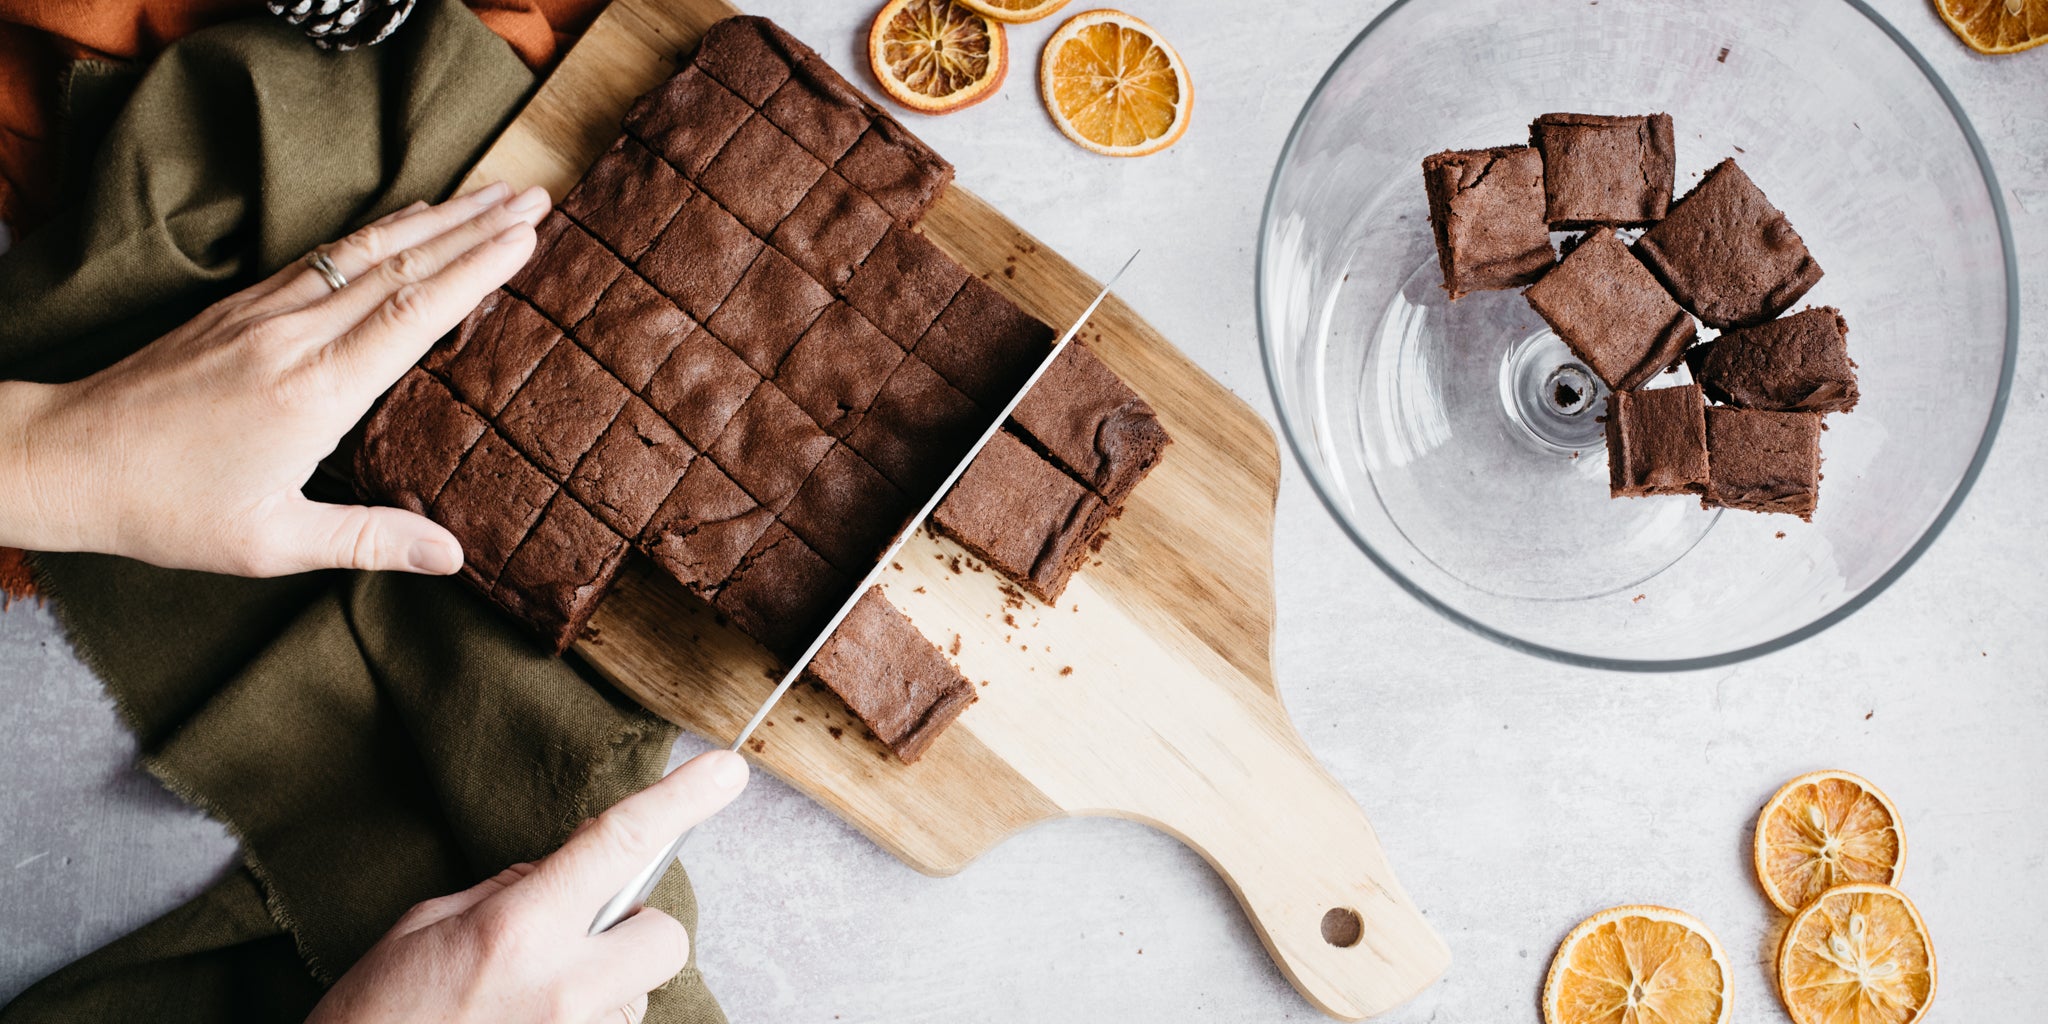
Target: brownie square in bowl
1605,170
1727,254
1612,312
1763,461
1797,363
1486,207
1656,442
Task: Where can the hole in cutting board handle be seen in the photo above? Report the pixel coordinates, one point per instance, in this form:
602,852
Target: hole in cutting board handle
1342,927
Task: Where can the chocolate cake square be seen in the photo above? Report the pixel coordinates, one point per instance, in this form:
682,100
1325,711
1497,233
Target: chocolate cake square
770,308
1763,461
891,677
831,231
568,271
1656,442
1727,254
627,197
558,575
760,175
918,428
442,355
496,349
819,110
633,329
896,170
782,593
984,345
414,441
1022,515
837,368
1605,170
1798,363
562,410
904,285
1486,207
750,55
1093,424
490,503
700,256
847,511
1612,312
700,388
632,468
688,119
703,528
770,447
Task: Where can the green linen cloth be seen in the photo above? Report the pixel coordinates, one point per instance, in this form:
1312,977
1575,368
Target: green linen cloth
373,740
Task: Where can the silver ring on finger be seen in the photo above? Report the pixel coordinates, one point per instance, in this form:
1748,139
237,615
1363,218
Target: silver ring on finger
328,271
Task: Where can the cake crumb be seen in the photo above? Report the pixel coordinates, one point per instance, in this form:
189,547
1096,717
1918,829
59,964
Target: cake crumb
1722,57
797,717
955,566
1010,272
1638,599
1009,619
898,566
1066,670
1781,535
757,746
919,589
1867,714
835,731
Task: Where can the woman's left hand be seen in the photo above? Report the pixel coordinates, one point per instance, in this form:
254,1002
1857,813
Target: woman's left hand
191,453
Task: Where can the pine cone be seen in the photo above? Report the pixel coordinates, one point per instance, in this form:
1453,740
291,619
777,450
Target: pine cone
344,24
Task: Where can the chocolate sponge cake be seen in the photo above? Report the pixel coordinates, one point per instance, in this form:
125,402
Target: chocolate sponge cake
735,354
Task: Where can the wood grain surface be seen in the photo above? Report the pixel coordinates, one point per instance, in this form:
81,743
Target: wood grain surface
1146,693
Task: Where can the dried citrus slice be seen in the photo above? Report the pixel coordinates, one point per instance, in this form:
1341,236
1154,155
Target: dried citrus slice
1858,954
935,56
1114,86
1016,12
1823,829
1997,26
1638,965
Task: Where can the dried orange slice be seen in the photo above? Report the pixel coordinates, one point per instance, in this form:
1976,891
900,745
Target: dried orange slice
935,56
1997,26
1114,86
1859,954
1823,829
1638,965
1016,12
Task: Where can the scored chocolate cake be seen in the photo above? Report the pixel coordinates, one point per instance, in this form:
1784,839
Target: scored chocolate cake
734,352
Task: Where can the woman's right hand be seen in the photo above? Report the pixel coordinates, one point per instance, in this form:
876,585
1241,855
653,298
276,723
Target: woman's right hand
514,949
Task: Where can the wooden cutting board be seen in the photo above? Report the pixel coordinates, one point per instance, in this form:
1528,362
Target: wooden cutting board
1146,693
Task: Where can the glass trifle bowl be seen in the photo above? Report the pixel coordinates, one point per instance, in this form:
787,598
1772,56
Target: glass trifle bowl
1460,444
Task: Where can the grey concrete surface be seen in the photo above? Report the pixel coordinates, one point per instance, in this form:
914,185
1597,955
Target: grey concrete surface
1514,796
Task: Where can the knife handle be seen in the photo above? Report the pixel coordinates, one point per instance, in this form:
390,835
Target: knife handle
634,894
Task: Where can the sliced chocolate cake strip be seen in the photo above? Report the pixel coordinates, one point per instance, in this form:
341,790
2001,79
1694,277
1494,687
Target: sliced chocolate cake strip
891,677
1097,428
1023,516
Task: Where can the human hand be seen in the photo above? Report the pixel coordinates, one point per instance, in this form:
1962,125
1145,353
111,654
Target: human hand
514,949
191,453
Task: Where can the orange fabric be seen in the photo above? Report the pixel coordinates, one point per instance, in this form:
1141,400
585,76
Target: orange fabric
38,38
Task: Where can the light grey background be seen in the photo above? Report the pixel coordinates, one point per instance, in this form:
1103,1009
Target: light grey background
1514,796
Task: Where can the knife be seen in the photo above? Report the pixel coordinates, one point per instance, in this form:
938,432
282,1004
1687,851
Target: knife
634,895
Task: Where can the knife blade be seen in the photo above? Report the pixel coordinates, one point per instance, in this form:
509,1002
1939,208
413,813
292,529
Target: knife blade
634,894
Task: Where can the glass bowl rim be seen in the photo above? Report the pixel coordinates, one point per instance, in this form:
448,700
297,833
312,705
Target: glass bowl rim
1269,360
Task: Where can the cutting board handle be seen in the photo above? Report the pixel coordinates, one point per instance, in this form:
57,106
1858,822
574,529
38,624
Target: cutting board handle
1308,870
